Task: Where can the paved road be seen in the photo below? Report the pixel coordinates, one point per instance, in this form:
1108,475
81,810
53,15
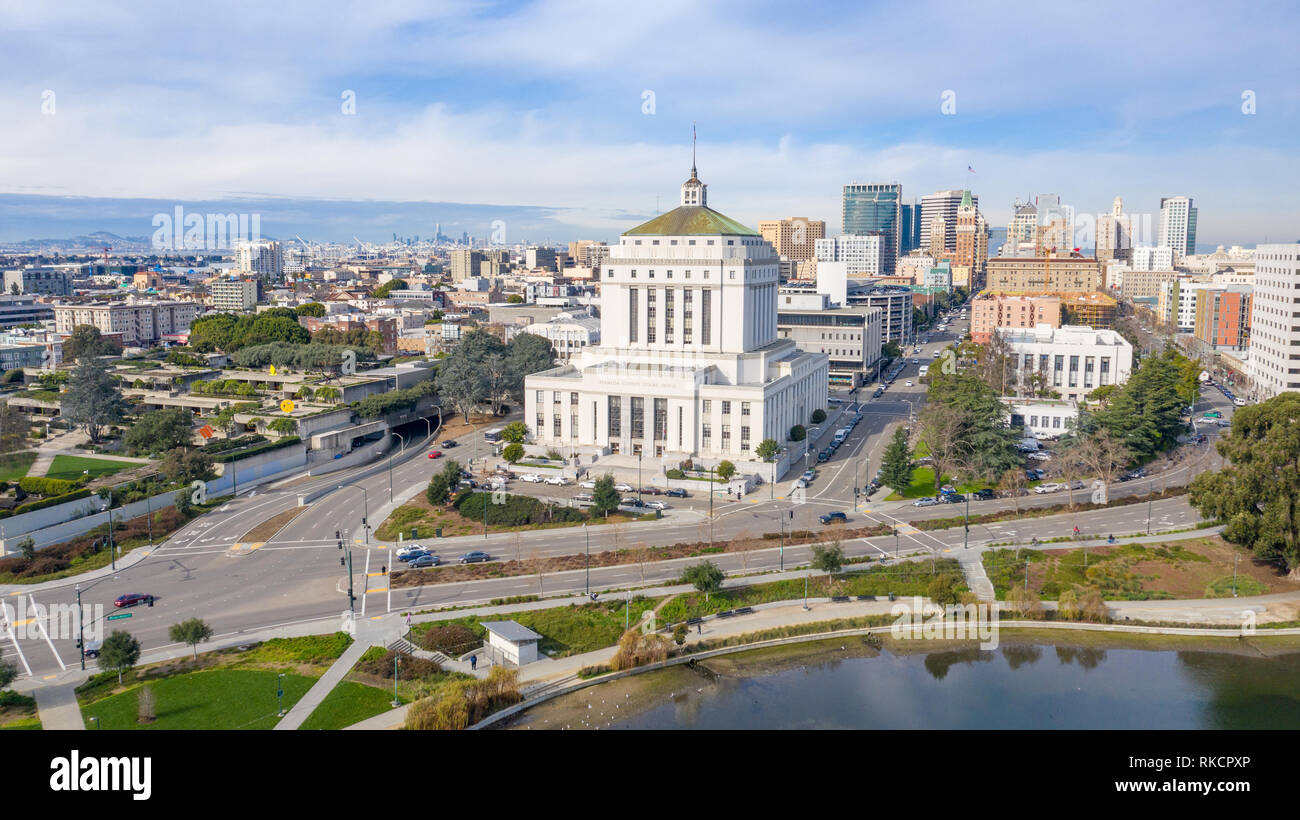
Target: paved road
211,570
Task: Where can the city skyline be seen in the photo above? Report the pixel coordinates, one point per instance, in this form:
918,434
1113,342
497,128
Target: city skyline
441,118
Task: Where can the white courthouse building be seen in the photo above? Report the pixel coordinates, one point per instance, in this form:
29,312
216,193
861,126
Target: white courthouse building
689,364
1073,360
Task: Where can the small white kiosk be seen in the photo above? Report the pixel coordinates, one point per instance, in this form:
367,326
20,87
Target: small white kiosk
511,642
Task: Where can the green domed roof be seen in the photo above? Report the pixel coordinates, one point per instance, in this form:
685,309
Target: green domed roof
691,220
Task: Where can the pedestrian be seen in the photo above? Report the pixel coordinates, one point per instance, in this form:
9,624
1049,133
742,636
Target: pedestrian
383,569
473,662
699,629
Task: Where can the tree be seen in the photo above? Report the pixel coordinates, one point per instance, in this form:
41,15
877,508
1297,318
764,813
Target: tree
192,631
1102,453
119,653
27,548
515,299
513,452
896,465
704,576
1257,492
283,425
726,470
14,426
828,559
93,400
183,503
818,416
159,431
86,341
383,291
516,432
461,384
940,428
767,449
439,490
996,364
8,673
679,634
187,464
798,433
891,350
1012,483
604,498
496,371
943,589
313,309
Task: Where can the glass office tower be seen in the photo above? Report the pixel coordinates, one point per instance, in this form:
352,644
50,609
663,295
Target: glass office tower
876,208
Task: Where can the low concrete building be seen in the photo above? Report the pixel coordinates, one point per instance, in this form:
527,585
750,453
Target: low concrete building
511,642
1046,417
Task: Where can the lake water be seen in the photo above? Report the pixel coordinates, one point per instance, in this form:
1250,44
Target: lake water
1018,686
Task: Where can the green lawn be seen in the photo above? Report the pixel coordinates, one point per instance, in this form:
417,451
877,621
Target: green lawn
923,485
903,578
15,465
70,468
213,699
565,630
349,703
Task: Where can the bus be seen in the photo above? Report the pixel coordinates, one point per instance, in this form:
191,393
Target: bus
493,436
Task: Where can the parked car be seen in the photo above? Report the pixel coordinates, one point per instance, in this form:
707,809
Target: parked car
656,505
984,495
474,557
587,485
1041,456
879,392
809,475
556,480
824,456
1077,485
1240,402
799,484
422,561
1199,438
907,384
833,517
412,555
624,488
448,443
467,484
435,454
954,498
651,491
1225,422
531,478
1042,489
632,501
677,492
1213,414
927,501
132,599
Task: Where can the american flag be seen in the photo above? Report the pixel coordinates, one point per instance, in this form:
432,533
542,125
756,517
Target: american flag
968,168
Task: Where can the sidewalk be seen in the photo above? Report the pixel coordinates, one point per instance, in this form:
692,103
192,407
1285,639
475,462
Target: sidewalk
57,707
308,702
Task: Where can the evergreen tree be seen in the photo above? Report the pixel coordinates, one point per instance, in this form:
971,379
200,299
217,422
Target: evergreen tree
93,399
896,466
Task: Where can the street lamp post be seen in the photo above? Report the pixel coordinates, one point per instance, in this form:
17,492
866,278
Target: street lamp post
639,453
279,692
710,507
81,629
390,465
112,547
965,538
587,535
1149,481
396,658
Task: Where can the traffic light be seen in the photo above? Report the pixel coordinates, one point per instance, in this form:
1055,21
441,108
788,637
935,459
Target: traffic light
338,535
342,562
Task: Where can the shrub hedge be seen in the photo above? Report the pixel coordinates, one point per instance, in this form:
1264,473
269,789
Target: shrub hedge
223,458
517,511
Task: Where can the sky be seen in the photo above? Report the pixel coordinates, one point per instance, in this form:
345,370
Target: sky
573,120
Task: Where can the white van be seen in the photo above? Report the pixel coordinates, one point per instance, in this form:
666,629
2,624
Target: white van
925,368
1240,402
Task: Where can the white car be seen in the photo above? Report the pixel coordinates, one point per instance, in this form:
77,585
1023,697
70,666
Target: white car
587,485
408,549
624,488
1048,488
656,505
531,478
556,480
1041,456
907,384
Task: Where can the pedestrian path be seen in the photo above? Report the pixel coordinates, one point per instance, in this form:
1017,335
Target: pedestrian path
57,707
976,578
308,703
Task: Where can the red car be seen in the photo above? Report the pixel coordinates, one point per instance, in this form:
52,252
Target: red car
133,598
435,454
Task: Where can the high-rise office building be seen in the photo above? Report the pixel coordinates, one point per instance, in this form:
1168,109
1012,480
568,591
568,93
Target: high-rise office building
465,264
794,238
1114,234
875,208
263,258
910,230
972,238
1177,224
861,254
1274,325
941,205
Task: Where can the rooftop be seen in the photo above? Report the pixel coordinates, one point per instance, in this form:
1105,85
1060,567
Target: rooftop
691,220
511,631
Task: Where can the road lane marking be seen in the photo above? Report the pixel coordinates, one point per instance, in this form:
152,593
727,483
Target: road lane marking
62,667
